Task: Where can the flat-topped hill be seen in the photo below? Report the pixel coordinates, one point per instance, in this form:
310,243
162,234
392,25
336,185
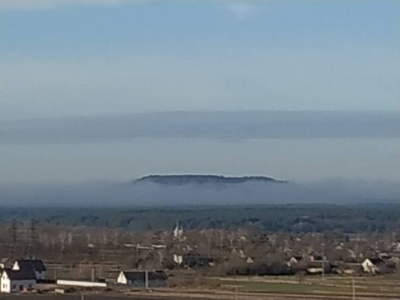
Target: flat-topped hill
203,179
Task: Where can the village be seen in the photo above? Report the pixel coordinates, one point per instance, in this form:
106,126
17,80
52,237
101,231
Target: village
89,258
25,275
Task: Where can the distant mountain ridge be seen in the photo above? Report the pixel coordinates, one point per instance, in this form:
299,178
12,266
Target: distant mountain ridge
204,179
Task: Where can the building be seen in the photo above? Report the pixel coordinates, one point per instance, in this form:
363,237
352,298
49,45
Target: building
36,265
5,262
250,260
178,259
147,279
178,231
319,267
294,261
195,260
81,283
372,265
13,281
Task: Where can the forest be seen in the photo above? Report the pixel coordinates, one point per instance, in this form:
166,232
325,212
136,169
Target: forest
302,218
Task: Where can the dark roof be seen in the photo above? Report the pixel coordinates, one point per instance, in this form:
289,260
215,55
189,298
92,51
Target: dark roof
318,257
376,261
298,258
35,264
140,275
196,260
23,274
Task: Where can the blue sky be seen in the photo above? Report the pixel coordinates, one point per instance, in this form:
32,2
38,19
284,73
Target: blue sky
67,58
63,58
79,31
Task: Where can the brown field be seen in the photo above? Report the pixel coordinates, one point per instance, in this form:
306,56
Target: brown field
250,288
330,287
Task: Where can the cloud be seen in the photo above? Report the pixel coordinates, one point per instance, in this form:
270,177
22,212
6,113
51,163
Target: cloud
242,11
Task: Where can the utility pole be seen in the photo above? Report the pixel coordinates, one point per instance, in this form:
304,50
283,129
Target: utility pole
136,254
323,259
236,292
13,238
353,288
32,238
146,279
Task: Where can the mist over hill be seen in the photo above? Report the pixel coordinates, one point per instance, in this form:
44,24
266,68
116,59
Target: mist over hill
301,145
184,190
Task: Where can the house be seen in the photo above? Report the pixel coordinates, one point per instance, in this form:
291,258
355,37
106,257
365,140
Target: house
239,252
13,281
319,267
195,260
394,260
5,263
384,256
294,261
178,259
350,256
143,278
36,265
372,265
250,260
81,283
396,247
347,268
316,257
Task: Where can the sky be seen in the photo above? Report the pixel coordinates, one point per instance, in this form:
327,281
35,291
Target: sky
63,63
64,58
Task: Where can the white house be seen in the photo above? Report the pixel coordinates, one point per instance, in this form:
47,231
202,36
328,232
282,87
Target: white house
137,278
250,260
372,265
36,265
13,281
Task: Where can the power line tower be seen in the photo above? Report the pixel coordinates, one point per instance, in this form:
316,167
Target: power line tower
12,238
32,238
